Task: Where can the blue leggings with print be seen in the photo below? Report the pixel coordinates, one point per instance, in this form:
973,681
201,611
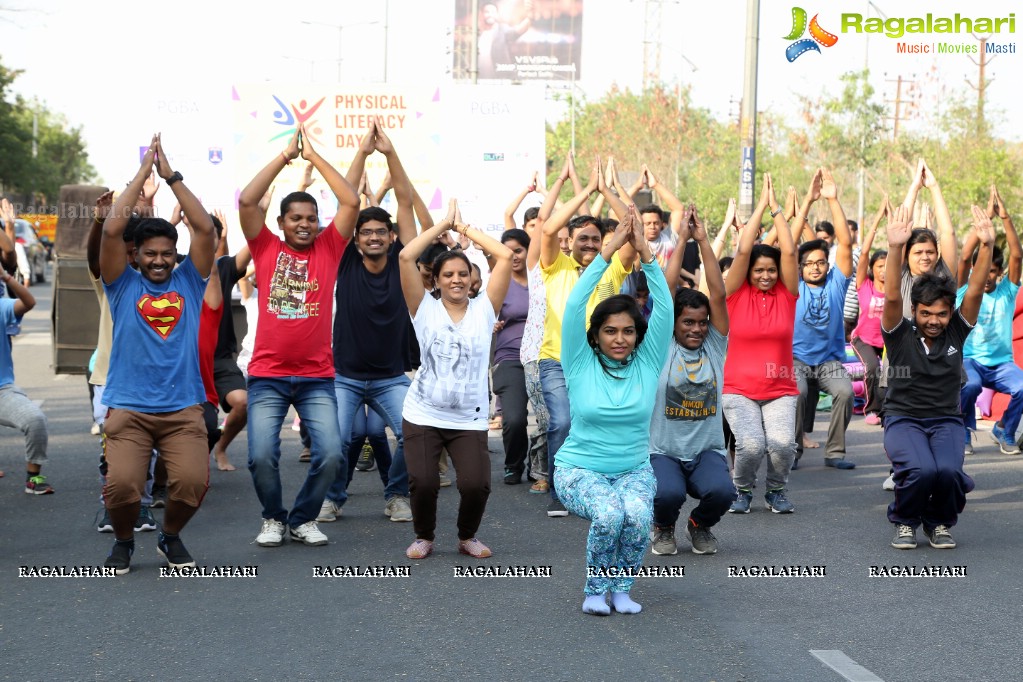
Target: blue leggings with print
620,509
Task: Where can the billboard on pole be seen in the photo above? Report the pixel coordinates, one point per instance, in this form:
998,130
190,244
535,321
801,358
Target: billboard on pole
519,39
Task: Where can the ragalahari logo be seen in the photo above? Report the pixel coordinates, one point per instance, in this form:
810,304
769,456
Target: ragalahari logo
293,116
818,35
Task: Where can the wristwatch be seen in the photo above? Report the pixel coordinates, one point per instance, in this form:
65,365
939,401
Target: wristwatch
776,211
175,176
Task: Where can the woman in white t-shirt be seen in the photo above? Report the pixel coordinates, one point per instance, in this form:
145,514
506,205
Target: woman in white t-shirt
447,404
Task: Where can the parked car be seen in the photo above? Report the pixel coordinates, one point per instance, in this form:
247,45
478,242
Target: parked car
35,251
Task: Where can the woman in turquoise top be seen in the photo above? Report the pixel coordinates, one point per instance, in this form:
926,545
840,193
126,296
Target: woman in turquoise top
603,470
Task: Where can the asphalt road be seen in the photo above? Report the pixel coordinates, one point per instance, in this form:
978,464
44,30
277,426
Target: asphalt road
287,624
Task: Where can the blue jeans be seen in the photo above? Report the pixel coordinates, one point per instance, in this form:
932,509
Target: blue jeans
1006,378
555,394
314,400
386,397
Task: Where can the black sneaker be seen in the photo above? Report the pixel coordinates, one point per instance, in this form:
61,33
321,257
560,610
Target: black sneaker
159,497
512,477
120,557
555,509
173,551
366,461
145,521
104,525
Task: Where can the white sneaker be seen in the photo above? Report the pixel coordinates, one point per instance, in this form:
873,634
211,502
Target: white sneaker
329,512
398,509
95,429
889,483
271,534
308,534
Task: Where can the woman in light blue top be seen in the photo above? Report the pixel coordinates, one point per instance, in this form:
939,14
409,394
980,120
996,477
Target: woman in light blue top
603,470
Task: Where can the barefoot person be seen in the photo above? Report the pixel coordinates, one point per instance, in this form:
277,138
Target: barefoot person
603,469
446,406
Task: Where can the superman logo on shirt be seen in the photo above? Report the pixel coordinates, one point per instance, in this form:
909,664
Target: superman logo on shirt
161,313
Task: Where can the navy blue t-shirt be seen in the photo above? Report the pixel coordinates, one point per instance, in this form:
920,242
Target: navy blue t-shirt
371,322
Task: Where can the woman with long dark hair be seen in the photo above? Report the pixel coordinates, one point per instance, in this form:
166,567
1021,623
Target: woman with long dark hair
760,390
447,404
603,470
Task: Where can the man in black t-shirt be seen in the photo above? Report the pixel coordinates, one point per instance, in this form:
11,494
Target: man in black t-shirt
923,427
371,327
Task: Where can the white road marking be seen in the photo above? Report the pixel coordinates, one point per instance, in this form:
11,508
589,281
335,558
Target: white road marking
843,665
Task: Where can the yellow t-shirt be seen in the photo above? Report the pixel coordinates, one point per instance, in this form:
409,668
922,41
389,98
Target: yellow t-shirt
559,279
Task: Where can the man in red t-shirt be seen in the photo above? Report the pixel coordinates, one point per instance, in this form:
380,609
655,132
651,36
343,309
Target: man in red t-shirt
292,362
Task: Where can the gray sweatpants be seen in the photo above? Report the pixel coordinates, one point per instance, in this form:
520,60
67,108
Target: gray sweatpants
761,427
18,412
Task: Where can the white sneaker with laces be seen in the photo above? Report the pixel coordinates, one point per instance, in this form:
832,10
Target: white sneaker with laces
329,512
271,534
398,509
308,533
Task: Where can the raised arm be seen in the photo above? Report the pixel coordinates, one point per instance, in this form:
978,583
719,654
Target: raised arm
111,253
99,213
740,262
405,218
201,247
509,213
367,145
673,268
577,185
251,213
419,206
1011,238
789,259
899,229
672,202
868,241
946,230
385,187
499,259
712,276
618,206
7,235
25,300
411,281
984,233
915,184
843,255
549,248
347,198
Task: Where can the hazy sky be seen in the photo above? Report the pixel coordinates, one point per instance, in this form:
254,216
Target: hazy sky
90,61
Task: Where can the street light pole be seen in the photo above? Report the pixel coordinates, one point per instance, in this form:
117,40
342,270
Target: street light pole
748,121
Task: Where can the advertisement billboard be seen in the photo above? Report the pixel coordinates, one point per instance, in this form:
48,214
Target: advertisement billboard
519,40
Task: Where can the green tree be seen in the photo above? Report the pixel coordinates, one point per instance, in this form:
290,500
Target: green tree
61,157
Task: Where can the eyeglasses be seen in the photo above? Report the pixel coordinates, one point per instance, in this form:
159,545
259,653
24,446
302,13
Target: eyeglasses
815,263
379,232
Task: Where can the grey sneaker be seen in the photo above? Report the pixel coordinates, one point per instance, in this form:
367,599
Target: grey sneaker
941,538
308,534
398,509
905,537
663,541
702,539
330,511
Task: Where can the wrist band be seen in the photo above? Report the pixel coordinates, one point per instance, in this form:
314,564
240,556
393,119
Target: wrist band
287,161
